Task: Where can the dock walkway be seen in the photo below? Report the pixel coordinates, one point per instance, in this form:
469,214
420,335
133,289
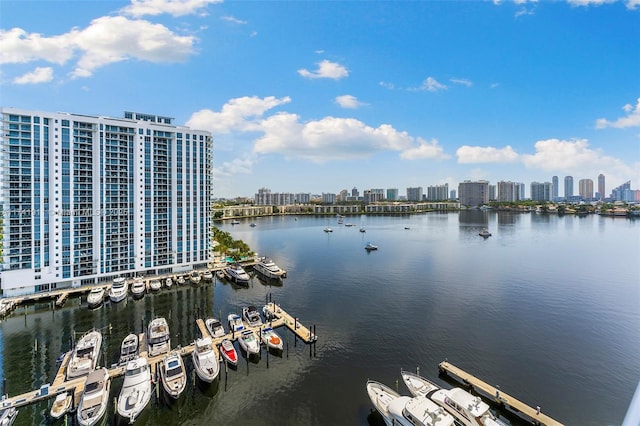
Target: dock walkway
536,416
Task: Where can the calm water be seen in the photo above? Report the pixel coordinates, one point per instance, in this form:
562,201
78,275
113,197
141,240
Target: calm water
548,308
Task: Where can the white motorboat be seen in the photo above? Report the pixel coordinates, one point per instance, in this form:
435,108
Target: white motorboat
158,338
128,348
469,410
328,229
228,352
252,316
205,360
267,268
8,416
136,389
406,411
168,282
235,322
138,288
95,297
207,275
485,233
363,230
119,290
181,280
249,342
195,277
95,397
60,406
271,339
235,222
214,327
155,285
237,274
173,374
370,247
85,355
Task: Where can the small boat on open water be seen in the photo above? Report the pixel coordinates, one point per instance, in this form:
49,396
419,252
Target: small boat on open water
370,247
95,398
136,389
485,233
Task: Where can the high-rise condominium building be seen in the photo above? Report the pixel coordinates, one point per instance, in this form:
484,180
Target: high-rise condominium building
473,193
88,198
414,194
554,182
438,192
509,191
541,191
392,194
585,188
601,186
568,187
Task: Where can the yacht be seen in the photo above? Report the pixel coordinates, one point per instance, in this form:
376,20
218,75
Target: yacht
363,230
207,275
249,342
195,277
406,411
214,327
95,297
60,406
138,288
235,222
85,355
205,360
251,315
155,285
158,338
128,348
269,269
119,290
8,416
168,282
235,323
469,410
136,389
271,339
237,274
95,398
485,233
181,280
173,374
228,352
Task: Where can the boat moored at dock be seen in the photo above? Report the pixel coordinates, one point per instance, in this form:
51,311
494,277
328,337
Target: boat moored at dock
61,406
271,339
207,275
251,316
158,338
128,348
228,352
249,342
195,277
119,290
215,327
138,288
235,323
155,285
173,375
205,360
95,297
84,357
95,397
268,269
136,390
237,274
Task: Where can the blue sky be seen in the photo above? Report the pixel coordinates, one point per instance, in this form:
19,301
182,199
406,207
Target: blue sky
320,96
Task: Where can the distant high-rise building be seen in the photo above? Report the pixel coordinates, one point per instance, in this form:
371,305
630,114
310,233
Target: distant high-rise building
492,192
453,194
342,196
541,191
373,195
508,191
585,189
601,187
568,187
620,193
414,194
328,198
556,188
473,193
392,194
302,198
438,192
354,192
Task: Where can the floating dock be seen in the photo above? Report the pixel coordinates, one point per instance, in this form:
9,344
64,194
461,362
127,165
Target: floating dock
534,414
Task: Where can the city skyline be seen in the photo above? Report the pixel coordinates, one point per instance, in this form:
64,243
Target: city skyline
321,95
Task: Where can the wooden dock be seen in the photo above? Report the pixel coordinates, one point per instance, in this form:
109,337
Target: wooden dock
534,414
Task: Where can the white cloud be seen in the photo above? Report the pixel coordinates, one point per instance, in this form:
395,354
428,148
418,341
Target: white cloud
430,84
424,150
589,2
39,75
633,4
238,114
139,8
462,81
235,166
326,69
234,20
19,47
486,154
387,85
349,101
632,119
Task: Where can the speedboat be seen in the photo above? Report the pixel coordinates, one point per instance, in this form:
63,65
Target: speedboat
168,282
328,229
370,247
173,374
95,297
207,275
271,339
205,360
214,327
363,230
136,389
195,277
237,274
249,342
158,338
235,222
406,411
228,352
253,225
485,233
95,398
267,311
235,322
85,355
252,316
138,288
155,285
469,410
269,269
181,280
8,416
119,290
128,348
60,406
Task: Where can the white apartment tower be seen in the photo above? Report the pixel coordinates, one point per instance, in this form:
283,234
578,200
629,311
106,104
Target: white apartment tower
88,198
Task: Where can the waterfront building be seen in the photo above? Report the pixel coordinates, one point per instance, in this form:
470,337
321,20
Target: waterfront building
303,198
342,196
89,198
473,194
568,188
510,191
492,192
623,192
601,186
414,194
392,194
438,192
541,191
453,194
554,182
585,189
355,193
395,208
265,197
328,198
373,195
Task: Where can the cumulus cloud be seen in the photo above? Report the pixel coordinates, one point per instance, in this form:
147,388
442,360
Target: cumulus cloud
632,119
238,114
139,8
235,166
106,40
589,2
349,101
462,81
39,75
326,69
486,154
234,20
425,150
430,85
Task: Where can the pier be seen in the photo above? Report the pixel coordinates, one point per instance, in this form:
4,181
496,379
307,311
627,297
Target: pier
533,414
76,386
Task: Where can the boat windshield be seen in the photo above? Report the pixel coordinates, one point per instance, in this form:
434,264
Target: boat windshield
135,371
174,371
84,352
159,340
